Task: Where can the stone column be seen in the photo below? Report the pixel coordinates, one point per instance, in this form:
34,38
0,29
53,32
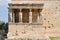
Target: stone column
13,17
20,16
10,15
39,17
30,16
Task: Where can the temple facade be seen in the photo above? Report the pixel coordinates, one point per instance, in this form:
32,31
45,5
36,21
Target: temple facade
35,19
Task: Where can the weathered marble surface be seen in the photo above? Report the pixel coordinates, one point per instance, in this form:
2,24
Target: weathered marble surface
50,18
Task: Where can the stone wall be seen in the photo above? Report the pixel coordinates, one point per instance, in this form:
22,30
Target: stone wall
51,14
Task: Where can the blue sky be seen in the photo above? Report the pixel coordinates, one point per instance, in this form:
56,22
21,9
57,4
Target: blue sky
4,10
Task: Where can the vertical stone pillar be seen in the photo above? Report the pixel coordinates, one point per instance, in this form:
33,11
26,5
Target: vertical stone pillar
13,17
30,16
39,17
20,16
10,15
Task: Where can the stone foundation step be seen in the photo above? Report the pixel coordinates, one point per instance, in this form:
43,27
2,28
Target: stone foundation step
26,39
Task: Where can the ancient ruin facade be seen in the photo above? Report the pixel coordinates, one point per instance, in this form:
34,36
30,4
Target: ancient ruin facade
34,19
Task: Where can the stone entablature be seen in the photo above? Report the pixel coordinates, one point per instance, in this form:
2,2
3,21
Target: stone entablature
36,6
